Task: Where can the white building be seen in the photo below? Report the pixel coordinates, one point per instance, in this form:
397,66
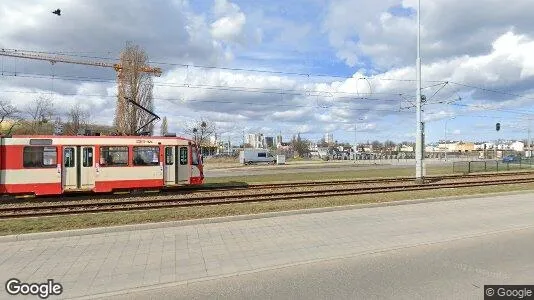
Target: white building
406,148
479,146
517,146
256,140
213,140
278,141
329,138
432,148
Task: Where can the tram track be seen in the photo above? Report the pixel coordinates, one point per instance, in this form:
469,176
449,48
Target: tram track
210,199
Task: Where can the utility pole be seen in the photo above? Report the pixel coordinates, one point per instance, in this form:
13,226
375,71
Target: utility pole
528,141
355,143
419,168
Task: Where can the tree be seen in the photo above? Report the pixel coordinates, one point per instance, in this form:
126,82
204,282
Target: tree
8,116
78,118
39,112
376,145
136,86
322,143
200,131
301,146
164,126
389,144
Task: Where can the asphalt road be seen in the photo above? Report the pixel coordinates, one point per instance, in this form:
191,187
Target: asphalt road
449,270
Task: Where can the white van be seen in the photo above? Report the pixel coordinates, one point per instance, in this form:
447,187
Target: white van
252,156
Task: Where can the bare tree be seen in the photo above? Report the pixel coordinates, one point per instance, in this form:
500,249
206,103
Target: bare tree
322,143
301,146
164,126
377,145
136,85
39,112
78,118
9,116
201,131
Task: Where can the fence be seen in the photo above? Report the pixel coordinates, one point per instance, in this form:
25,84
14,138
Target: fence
491,165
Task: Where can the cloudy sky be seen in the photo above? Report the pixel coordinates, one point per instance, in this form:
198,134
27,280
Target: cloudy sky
301,66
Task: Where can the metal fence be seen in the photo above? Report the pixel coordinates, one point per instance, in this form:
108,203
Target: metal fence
491,165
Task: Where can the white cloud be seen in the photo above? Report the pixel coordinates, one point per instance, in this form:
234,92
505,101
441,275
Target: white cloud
456,47
449,29
228,28
230,22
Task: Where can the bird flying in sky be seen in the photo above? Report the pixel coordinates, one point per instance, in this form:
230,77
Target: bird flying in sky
57,12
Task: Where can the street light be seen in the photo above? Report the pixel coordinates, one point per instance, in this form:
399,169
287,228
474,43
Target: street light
419,168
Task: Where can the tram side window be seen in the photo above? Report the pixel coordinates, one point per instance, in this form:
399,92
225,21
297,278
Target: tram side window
87,157
169,153
68,157
183,156
146,156
114,156
39,157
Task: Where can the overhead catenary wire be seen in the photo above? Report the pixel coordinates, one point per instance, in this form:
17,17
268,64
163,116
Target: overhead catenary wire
280,91
184,65
255,90
289,92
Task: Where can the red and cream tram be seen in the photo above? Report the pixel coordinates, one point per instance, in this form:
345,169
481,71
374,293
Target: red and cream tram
53,165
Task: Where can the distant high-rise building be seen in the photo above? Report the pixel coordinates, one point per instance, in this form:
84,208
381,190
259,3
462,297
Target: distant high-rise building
279,139
329,138
250,139
269,141
256,140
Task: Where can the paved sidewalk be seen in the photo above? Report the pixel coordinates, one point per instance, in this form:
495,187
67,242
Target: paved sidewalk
121,261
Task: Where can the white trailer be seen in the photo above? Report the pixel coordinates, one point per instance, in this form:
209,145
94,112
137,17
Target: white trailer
252,156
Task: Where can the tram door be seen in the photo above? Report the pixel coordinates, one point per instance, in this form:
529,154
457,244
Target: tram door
169,168
78,168
176,165
182,165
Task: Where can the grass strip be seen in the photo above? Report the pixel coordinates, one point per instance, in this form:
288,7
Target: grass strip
330,175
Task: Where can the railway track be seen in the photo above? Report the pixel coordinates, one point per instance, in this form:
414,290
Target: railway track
110,206
244,186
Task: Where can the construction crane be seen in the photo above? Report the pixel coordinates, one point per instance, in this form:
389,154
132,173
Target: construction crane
69,60
62,59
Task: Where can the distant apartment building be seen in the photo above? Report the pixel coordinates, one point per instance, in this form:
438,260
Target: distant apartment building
329,138
269,141
278,140
456,146
256,140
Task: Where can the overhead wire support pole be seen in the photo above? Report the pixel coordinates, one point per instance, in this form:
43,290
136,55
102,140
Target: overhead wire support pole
419,155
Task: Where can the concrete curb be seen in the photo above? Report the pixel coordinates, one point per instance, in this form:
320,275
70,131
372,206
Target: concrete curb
134,227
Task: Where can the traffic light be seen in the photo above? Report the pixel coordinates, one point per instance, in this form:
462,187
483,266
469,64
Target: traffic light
498,126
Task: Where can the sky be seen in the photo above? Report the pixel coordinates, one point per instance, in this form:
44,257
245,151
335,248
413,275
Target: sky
303,67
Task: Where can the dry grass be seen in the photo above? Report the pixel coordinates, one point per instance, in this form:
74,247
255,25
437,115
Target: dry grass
331,175
18,226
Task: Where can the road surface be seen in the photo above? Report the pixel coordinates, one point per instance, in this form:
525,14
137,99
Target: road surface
449,270
444,248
